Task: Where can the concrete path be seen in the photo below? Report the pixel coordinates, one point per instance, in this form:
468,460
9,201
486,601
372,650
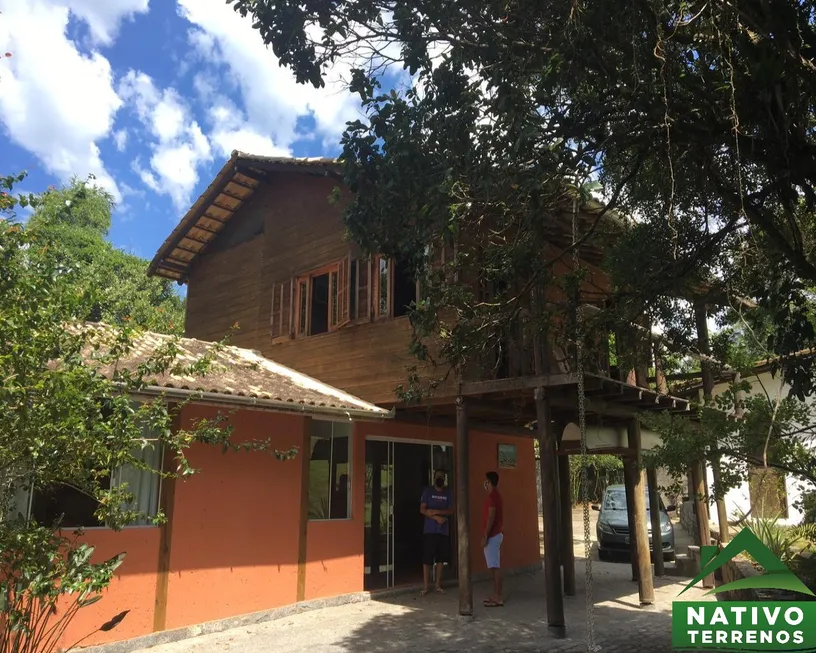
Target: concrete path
411,623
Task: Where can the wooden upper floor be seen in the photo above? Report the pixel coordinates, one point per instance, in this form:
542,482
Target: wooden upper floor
264,250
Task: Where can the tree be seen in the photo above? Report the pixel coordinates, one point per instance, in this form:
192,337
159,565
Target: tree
694,117
77,217
63,423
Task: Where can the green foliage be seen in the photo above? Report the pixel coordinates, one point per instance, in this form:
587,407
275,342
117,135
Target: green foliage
774,430
603,470
809,507
75,220
46,579
62,422
785,542
675,107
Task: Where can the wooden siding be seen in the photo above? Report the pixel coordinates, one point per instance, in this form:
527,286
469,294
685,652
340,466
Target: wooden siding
239,281
224,290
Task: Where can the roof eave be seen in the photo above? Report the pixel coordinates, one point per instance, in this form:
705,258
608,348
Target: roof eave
270,405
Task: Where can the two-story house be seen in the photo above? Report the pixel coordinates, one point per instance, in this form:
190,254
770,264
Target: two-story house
263,249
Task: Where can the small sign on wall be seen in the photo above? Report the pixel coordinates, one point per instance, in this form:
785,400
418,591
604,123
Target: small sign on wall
507,456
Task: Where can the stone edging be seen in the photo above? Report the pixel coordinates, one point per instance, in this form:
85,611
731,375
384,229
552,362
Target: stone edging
241,621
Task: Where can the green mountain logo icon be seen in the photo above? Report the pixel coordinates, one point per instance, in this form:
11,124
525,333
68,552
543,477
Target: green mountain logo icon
777,576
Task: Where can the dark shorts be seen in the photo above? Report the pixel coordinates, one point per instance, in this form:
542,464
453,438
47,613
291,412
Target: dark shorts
436,549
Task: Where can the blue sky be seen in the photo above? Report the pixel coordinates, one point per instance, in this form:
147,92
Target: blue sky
150,96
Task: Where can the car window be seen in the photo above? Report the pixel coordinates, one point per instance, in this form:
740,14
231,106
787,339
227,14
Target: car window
616,500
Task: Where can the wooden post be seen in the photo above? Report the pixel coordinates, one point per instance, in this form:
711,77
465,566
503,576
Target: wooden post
701,502
567,546
654,514
167,503
549,509
629,482
661,385
305,459
644,562
463,508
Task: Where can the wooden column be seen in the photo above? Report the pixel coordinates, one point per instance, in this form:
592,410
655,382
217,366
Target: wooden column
644,562
550,509
167,502
629,482
463,508
567,546
305,458
654,514
700,498
698,472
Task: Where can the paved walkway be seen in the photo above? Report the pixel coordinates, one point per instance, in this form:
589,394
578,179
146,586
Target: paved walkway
411,623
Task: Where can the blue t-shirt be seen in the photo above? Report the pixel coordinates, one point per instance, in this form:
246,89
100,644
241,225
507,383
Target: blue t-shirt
436,499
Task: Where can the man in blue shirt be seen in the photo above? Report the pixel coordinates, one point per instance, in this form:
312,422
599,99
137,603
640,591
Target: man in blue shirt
437,506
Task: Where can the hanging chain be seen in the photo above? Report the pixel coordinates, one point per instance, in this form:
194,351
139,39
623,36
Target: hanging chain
579,354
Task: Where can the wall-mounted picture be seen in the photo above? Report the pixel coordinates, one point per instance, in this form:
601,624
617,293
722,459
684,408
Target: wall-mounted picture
507,456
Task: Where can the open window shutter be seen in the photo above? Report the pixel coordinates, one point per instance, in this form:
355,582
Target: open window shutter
363,289
343,291
279,318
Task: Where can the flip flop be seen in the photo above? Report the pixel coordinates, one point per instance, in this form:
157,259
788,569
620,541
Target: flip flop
423,592
493,604
439,590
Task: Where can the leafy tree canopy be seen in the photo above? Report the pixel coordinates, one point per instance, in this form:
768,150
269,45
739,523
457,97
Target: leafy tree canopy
695,117
76,219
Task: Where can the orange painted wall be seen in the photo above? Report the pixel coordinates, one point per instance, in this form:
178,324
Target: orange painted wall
133,588
335,548
235,525
235,529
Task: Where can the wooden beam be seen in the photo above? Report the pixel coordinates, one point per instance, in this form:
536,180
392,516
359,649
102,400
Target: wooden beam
517,383
644,562
700,499
167,501
567,546
628,483
549,508
654,514
463,508
303,530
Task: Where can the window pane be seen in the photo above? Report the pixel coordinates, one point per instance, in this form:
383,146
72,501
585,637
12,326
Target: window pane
143,484
383,298
329,470
353,290
319,316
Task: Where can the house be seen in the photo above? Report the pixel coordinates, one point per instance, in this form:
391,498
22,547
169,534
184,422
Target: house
235,539
768,493
263,248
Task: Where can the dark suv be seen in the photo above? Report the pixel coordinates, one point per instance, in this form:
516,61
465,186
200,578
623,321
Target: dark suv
613,525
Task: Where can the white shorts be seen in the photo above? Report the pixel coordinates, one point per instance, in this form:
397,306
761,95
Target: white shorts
492,551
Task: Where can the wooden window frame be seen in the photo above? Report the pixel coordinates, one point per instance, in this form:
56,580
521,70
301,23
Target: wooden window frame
339,302
375,282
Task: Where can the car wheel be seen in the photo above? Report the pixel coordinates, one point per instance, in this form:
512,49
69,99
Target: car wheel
603,554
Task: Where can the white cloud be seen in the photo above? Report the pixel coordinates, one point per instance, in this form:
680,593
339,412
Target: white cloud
103,17
179,147
56,101
272,99
120,139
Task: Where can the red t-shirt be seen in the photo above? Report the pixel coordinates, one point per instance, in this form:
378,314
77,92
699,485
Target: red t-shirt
493,500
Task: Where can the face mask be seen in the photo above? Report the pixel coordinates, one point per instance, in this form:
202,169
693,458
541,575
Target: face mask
440,482
486,486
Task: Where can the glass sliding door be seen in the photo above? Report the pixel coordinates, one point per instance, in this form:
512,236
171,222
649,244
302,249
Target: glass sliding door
379,515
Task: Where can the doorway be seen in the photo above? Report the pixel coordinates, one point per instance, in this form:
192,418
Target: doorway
396,473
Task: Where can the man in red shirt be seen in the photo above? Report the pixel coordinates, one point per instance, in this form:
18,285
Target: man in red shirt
492,536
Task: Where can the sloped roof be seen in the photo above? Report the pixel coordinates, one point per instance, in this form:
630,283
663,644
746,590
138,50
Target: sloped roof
236,376
233,186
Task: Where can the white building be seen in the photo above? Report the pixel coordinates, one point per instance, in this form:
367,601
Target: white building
769,493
